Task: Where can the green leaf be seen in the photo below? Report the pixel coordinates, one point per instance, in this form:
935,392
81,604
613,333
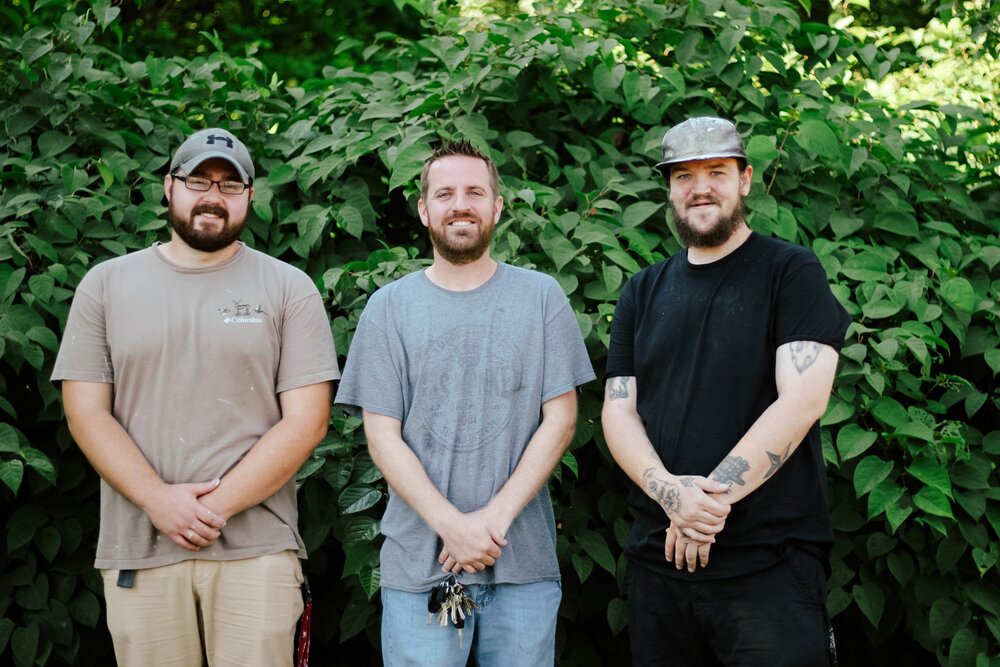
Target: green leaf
85,608
11,473
816,137
9,441
934,502
409,163
931,473
595,547
584,566
870,600
559,249
617,615
639,212
852,440
947,617
761,149
53,143
960,294
520,140
890,412
870,471
358,497
24,645
607,78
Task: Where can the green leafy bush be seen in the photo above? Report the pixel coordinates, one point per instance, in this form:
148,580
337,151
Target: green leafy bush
903,214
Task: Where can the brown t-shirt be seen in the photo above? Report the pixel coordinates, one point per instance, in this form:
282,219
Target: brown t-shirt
197,358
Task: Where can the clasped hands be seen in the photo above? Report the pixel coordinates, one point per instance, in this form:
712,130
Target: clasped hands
692,530
473,541
182,512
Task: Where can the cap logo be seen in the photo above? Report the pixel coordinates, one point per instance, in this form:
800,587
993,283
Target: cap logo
211,140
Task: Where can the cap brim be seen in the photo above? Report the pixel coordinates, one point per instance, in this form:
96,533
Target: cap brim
193,163
662,166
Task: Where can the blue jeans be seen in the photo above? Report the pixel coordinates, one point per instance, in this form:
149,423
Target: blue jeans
514,624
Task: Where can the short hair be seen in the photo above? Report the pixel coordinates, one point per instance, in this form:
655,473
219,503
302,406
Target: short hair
464,148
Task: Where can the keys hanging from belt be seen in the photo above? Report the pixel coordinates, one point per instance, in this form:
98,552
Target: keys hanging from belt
451,603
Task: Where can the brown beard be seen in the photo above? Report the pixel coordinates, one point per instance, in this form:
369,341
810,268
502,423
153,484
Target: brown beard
202,240
462,254
721,232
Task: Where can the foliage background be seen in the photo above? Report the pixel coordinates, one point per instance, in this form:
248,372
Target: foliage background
340,103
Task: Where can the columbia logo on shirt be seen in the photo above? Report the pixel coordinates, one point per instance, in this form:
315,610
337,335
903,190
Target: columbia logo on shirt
242,313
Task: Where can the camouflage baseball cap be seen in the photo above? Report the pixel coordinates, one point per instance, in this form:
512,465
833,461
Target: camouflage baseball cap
213,142
700,139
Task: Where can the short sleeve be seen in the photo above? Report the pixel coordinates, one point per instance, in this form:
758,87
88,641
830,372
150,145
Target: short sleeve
372,380
84,354
308,355
806,307
621,358
567,364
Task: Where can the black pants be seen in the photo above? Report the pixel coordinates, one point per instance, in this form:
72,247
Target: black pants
773,618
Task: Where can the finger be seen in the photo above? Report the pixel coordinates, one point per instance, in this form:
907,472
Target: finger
210,518
443,556
469,568
448,564
691,556
201,488
669,544
498,539
712,486
703,550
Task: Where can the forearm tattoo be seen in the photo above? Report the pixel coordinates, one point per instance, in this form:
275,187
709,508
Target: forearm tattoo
731,470
663,492
617,388
777,460
804,354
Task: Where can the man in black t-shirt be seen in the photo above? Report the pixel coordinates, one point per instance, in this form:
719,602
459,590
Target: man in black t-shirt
721,362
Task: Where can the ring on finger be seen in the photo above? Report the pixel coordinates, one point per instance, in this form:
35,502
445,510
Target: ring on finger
189,535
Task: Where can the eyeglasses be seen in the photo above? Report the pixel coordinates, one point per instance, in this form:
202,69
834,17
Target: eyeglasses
202,184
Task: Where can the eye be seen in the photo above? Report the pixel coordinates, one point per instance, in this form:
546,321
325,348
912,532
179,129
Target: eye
199,182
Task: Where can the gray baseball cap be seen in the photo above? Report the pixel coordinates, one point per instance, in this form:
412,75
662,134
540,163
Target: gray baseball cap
700,139
213,142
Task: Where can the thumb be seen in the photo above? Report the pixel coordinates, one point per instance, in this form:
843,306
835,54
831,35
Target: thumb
498,538
201,488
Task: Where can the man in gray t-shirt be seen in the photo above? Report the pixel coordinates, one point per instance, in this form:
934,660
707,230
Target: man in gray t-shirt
466,375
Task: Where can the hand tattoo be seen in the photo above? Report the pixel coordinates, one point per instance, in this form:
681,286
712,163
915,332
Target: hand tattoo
617,388
663,492
686,480
804,354
731,470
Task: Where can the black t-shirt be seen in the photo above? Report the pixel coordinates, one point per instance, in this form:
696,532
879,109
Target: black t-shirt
701,341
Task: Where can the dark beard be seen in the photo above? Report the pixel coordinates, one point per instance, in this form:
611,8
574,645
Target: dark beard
460,254
714,237
201,240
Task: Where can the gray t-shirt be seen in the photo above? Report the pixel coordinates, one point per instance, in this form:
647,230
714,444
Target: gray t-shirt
197,358
466,373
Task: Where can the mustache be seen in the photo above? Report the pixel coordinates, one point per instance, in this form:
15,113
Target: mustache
702,199
468,216
210,209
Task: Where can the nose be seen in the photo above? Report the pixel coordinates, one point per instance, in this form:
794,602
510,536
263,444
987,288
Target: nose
461,203
701,184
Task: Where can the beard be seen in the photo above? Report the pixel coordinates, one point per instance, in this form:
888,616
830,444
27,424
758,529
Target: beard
468,249
206,241
715,236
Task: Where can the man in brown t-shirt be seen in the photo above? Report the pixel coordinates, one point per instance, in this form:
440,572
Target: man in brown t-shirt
196,379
